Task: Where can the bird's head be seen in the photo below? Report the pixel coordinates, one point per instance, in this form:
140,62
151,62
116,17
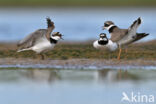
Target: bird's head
103,36
108,25
57,36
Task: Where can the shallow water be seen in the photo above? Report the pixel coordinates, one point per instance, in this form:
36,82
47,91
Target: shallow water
66,86
74,23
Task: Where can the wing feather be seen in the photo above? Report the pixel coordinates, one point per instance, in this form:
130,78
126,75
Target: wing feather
131,34
32,38
133,28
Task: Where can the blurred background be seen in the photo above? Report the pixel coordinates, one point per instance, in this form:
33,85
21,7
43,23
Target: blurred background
24,81
77,20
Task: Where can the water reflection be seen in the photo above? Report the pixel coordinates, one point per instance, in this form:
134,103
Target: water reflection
110,75
33,75
38,75
55,75
61,86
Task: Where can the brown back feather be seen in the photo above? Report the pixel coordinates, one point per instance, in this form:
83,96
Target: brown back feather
118,33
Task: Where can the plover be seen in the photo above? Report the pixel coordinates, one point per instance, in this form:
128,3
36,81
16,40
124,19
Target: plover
124,37
104,42
41,40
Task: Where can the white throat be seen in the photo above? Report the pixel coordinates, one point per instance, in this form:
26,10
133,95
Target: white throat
112,46
55,37
107,28
105,39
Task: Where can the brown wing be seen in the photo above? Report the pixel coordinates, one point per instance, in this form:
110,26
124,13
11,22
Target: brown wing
117,34
32,38
51,27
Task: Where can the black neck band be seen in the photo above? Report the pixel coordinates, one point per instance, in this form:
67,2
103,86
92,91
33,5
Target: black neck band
103,42
111,29
53,41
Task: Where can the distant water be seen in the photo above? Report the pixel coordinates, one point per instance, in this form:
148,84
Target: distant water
74,23
65,86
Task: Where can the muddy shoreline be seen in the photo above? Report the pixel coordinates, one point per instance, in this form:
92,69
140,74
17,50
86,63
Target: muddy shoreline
77,63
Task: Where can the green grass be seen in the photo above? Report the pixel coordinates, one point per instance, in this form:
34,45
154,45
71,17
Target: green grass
77,3
84,50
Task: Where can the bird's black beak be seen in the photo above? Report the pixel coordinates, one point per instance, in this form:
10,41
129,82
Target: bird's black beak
103,28
61,37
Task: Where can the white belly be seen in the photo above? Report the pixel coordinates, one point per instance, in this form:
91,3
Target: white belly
97,45
43,45
111,45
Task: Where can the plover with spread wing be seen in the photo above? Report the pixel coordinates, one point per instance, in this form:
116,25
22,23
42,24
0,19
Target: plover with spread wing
124,37
41,40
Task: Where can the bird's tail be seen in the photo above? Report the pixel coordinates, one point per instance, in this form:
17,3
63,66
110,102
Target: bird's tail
140,36
26,49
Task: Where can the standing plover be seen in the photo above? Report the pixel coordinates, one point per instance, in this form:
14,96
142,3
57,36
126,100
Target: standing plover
104,42
124,37
41,40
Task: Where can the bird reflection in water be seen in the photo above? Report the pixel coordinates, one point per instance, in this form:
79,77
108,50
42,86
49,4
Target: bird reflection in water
39,75
111,75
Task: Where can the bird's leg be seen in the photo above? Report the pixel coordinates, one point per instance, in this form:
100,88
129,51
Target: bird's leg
126,50
119,54
42,56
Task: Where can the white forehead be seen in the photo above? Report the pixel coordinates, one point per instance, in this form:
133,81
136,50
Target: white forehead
102,34
55,37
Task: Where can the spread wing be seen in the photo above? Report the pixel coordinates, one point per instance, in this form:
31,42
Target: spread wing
131,34
32,38
133,28
51,27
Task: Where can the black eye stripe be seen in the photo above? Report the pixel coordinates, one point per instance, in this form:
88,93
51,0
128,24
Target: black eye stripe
106,25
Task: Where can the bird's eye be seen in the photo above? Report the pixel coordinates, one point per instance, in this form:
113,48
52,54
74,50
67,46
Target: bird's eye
106,25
